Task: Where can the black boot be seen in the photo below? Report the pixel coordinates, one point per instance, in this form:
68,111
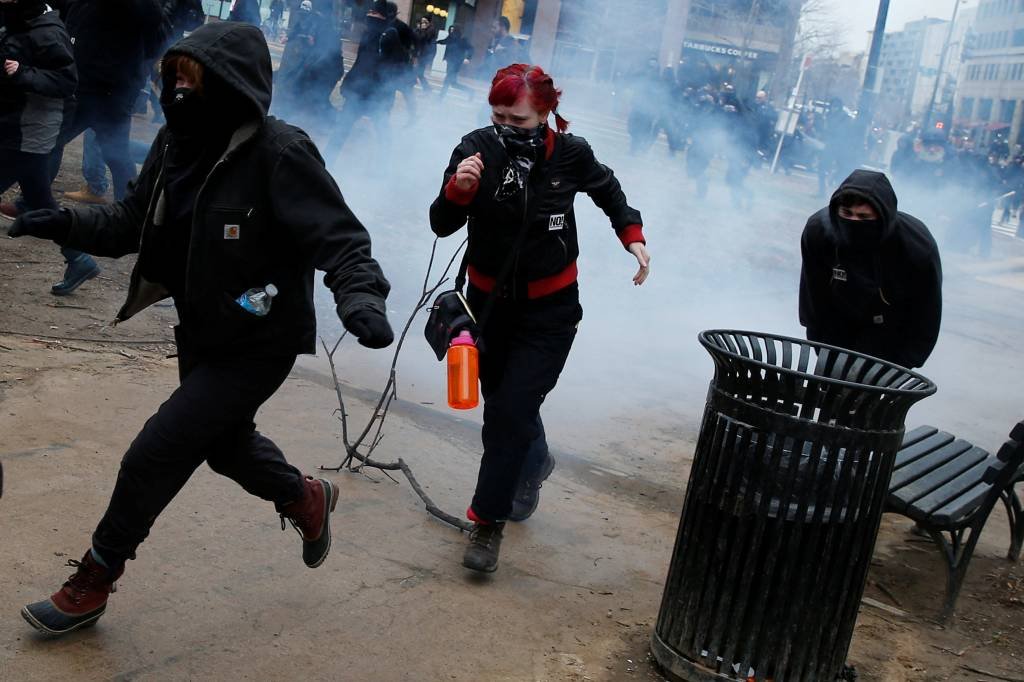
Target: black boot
311,517
79,602
484,545
78,271
528,494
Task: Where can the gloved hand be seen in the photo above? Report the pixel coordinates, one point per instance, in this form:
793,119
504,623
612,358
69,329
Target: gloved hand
46,223
371,328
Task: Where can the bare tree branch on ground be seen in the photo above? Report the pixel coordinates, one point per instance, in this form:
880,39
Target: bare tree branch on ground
359,452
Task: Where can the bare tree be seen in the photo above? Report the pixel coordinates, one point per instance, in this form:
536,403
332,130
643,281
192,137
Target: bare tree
359,452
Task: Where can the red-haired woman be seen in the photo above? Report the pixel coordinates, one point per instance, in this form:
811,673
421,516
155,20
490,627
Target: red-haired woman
515,183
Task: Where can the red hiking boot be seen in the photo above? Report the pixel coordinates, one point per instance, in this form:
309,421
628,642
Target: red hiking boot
310,516
79,603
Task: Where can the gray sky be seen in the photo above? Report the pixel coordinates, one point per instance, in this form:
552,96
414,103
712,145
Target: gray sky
859,15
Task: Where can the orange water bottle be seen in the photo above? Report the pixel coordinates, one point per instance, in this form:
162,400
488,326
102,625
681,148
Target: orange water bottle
463,373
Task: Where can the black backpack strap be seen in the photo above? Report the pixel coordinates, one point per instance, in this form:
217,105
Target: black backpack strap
460,280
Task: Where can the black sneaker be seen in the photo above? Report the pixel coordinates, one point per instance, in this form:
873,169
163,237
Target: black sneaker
79,270
484,545
528,495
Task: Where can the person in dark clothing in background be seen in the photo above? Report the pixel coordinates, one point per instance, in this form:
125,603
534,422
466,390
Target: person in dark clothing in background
228,200
515,183
247,11
503,48
366,92
426,50
112,42
872,278
457,51
37,81
398,47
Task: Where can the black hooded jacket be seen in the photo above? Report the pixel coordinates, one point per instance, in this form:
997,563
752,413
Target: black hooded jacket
33,102
551,244
884,301
267,213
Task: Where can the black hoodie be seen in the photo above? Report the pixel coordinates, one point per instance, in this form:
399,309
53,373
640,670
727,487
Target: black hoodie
884,301
33,101
267,213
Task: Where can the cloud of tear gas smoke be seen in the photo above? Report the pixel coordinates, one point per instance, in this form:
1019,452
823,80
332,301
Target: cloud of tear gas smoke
692,152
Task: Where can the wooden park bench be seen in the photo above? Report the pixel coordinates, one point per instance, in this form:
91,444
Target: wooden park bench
949,487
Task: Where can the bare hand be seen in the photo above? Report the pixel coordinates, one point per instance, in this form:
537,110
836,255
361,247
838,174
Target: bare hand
467,175
639,250
11,67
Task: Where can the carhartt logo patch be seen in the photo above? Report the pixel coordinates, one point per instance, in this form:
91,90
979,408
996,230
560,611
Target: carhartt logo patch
556,222
839,274
879,319
232,231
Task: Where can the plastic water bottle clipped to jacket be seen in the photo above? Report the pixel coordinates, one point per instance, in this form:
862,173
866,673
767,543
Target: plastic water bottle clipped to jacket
257,301
463,373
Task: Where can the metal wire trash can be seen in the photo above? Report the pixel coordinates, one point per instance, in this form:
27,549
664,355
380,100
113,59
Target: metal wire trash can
782,509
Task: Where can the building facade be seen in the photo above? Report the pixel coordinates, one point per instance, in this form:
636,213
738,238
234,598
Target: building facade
739,41
990,96
909,65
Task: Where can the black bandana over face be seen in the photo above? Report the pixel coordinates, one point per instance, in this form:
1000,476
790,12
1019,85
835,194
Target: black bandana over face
523,146
185,109
860,235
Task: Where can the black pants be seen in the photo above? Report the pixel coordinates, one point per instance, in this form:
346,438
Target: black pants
110,116
526,344
209,417
32,173
451,79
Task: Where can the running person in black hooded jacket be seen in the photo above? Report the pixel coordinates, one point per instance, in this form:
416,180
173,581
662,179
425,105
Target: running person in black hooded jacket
228,200
519,172
871,279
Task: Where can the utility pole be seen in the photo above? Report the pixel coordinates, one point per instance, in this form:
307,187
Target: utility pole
942,67
866,107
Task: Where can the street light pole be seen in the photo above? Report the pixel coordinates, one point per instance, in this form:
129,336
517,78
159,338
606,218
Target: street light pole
866,107
927,124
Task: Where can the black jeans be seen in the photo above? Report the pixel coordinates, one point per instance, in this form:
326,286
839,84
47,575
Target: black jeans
110,116
209,417
525,346
32,173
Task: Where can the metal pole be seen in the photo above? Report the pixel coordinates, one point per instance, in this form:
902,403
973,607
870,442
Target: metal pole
789,115
865,109
927,124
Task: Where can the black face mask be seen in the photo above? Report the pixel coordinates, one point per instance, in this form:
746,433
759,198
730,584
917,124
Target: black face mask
186,111
860,235
522,142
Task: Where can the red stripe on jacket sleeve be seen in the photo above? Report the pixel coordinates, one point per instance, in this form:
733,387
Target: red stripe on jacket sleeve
457,195
632,234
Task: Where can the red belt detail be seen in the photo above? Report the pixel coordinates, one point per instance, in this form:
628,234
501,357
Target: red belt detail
538,288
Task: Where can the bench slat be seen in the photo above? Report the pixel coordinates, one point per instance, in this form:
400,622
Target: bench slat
954,511
965,478
950,476
925,464
921,448
917,435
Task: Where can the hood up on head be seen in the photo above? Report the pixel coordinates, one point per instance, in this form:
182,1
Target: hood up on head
235,54
876,190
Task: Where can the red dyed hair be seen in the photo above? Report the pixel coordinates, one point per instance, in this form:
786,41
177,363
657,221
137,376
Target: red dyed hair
512,82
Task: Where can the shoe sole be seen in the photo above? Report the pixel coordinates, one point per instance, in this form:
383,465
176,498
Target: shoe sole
480,569
64,292
27,615
332,491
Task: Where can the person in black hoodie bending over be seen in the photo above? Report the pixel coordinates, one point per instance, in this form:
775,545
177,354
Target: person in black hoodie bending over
871,279
228,200
515,183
